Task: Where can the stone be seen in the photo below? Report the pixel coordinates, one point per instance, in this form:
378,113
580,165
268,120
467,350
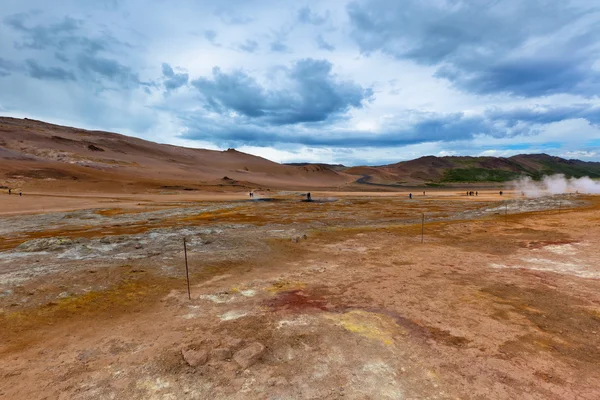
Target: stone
194,358
249,355
233,344
221,354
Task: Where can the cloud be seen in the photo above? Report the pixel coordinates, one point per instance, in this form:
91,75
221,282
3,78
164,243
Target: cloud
249,46
211,36
6,67
232,17
307,16
65,39
307,92
95,68
278,47
55,73
532,48
410,128
545,115
42,36
322,44
172,80
167,70
62,35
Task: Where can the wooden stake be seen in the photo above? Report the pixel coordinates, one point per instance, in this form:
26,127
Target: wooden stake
422,227
187,273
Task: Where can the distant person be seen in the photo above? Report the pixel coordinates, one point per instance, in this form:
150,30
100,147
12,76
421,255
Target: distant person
501,193
251,195
467,193
308,198
9,191
410,195
476,194
20,193
423,193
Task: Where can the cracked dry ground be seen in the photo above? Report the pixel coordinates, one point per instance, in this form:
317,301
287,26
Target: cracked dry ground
493,308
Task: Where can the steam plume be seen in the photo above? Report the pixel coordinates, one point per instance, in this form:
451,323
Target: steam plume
556,184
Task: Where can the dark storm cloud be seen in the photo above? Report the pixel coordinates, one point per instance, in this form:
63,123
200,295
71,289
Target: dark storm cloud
526,48
172,80
322,44
54,73
312,94
307,16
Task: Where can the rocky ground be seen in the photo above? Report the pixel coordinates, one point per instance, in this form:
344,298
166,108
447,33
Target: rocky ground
332,299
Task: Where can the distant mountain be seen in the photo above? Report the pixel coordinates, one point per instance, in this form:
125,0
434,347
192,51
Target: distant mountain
452,170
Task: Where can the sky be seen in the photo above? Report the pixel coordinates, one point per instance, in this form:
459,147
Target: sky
344,82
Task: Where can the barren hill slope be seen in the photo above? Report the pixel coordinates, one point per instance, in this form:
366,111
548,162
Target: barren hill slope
41,155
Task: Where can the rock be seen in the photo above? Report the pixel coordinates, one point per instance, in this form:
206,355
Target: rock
234,344
194,358
249,355
221,354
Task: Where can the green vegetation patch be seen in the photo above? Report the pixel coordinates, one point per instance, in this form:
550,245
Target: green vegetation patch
478,175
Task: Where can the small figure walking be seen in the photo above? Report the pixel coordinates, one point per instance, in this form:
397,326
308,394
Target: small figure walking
251,195
423,193
9,191
410,195
476,193
308,197
20,193
501,193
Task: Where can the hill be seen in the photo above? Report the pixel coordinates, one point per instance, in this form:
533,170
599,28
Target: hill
431,170
40,155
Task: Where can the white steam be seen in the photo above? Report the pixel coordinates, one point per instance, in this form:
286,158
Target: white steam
556,184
